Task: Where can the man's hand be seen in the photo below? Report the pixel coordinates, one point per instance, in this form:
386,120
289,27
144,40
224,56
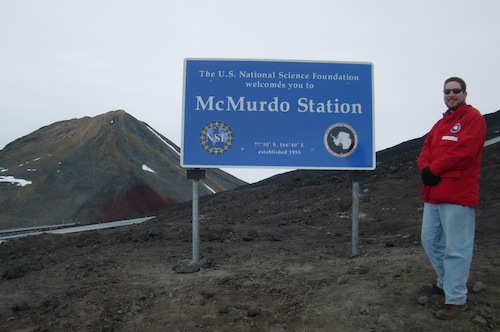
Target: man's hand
428,178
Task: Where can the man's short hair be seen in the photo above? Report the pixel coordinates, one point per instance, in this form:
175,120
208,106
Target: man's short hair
459,80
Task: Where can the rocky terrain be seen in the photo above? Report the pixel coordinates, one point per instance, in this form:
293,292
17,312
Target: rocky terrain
276,257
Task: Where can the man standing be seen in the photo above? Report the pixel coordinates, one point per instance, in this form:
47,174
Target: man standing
450,164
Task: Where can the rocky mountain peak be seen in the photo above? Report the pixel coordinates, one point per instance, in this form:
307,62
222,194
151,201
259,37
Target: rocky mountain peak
108,167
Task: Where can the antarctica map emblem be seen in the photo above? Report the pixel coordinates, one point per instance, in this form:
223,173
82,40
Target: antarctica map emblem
341,140
216,137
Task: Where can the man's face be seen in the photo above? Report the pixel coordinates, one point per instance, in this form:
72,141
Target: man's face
454,100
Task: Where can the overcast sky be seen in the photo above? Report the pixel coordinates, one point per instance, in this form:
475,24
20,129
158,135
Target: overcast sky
67,59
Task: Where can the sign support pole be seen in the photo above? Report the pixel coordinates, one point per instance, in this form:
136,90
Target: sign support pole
355,218
196,175
196,222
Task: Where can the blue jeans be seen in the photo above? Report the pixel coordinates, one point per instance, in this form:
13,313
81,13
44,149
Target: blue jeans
448,240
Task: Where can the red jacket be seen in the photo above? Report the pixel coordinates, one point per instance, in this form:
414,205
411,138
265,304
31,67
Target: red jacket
453,150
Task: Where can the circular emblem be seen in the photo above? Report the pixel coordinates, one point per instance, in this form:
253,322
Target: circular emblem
340,140
216,137
456,128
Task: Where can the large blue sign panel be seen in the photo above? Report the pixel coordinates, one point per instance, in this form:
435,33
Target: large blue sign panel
286,114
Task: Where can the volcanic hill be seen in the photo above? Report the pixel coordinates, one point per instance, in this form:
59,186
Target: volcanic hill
94,169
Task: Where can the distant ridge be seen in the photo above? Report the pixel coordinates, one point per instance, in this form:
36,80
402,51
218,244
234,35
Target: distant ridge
397,160
94,169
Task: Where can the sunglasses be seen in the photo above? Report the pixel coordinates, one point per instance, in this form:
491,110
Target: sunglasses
455,91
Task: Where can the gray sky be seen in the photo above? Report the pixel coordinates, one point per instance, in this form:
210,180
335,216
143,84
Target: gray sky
66,59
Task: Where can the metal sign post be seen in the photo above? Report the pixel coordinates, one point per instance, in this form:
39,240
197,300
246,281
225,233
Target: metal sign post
196,222
196,175
356,178
355,218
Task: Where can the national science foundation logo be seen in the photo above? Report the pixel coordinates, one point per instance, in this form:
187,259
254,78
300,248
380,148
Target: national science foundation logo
216,137
340,140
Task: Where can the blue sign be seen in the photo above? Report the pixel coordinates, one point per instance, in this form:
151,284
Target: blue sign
286,114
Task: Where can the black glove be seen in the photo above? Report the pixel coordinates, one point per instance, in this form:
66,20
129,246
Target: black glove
428,178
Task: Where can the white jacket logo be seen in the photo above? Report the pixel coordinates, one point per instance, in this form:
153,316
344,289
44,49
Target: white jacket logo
456,128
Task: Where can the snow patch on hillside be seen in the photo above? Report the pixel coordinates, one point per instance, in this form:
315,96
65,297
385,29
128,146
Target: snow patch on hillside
13,180
147,169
